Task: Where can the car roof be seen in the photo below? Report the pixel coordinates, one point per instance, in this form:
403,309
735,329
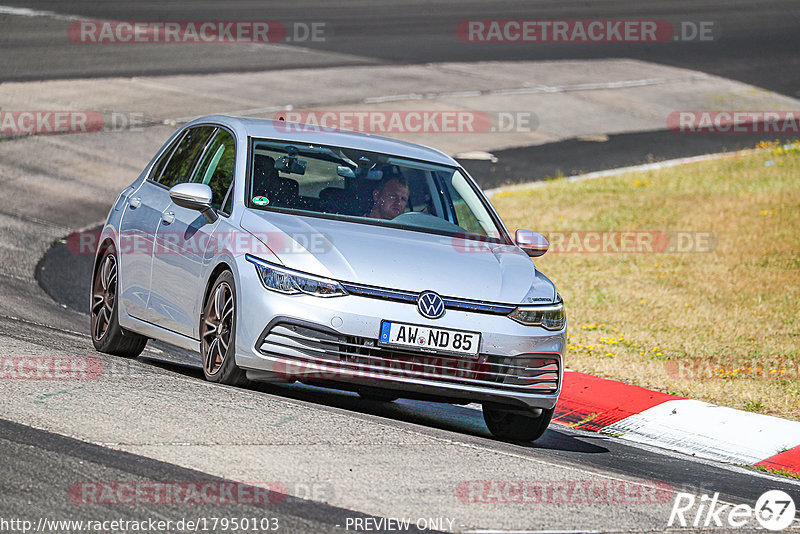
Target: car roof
269,129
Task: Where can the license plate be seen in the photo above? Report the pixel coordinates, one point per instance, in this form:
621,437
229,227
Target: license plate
427,339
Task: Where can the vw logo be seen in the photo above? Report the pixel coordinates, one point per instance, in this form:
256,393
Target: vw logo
430,305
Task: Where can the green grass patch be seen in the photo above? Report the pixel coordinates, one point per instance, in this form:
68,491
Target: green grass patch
716,323
781,472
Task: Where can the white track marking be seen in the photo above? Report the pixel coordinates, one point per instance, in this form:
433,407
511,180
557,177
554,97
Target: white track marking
709,431
25,12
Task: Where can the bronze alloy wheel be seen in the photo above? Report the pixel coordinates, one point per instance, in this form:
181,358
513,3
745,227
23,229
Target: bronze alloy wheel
104,292
217,328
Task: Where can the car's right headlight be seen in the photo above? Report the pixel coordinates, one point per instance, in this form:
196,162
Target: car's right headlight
551,316
292,282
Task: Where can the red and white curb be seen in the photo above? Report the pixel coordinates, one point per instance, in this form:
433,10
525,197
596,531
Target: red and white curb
688,426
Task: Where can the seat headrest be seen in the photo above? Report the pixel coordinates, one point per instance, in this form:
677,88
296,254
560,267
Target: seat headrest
263,165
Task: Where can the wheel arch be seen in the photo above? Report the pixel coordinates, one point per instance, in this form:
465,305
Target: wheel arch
101,248
218,270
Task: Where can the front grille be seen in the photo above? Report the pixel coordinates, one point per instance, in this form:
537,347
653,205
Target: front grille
306,347
450,303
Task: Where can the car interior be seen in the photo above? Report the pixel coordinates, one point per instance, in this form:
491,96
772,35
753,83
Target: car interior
340,182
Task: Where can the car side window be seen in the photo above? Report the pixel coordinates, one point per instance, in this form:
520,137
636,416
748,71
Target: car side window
216,168
228,207
158,168
185,156
465,204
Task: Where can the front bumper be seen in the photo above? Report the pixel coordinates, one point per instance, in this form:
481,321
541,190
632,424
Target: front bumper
334,341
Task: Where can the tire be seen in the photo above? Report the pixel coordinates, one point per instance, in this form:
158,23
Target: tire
107,335
218,334
515,426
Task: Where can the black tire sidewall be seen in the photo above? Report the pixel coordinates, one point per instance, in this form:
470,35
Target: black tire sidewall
116,339
516,427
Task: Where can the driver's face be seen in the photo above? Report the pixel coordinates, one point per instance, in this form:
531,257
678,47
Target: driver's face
390,201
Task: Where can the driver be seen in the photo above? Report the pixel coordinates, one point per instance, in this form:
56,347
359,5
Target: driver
390,198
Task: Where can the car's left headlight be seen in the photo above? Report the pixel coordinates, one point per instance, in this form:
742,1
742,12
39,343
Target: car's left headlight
551,317
291,282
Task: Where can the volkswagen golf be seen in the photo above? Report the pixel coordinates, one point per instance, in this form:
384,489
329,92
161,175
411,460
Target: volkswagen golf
282,252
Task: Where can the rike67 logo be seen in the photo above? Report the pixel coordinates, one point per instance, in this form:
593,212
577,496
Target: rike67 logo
774,510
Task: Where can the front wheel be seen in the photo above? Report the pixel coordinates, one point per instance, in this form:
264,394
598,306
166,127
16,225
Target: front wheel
218,334
107,335
515,426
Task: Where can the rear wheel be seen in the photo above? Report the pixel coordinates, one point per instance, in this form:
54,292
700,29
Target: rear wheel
515,426
107,335
218,334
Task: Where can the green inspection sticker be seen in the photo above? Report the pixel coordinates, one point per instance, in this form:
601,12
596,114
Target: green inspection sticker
260,201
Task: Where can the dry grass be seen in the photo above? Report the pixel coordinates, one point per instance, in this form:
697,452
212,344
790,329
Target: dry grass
720,326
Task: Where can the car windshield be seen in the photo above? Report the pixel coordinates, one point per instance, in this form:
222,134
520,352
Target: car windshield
368,188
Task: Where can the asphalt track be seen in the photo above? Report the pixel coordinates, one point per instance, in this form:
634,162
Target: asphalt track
580,156
759,46
44,460
754,42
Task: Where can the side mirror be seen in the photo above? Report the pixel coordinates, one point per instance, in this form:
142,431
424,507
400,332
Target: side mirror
533,244
194,197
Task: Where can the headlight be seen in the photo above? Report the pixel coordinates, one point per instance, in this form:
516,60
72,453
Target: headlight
291,282
551,317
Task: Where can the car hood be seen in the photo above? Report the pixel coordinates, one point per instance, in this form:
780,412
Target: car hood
400,259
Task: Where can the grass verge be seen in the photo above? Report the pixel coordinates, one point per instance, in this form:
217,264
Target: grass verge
703,300
781,472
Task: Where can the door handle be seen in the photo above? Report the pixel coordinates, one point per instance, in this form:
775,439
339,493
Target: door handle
134,203
168,217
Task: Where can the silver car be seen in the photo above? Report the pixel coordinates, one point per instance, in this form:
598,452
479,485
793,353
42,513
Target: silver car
284,252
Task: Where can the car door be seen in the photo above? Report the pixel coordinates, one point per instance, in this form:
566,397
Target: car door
182,239
143,216
137,229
